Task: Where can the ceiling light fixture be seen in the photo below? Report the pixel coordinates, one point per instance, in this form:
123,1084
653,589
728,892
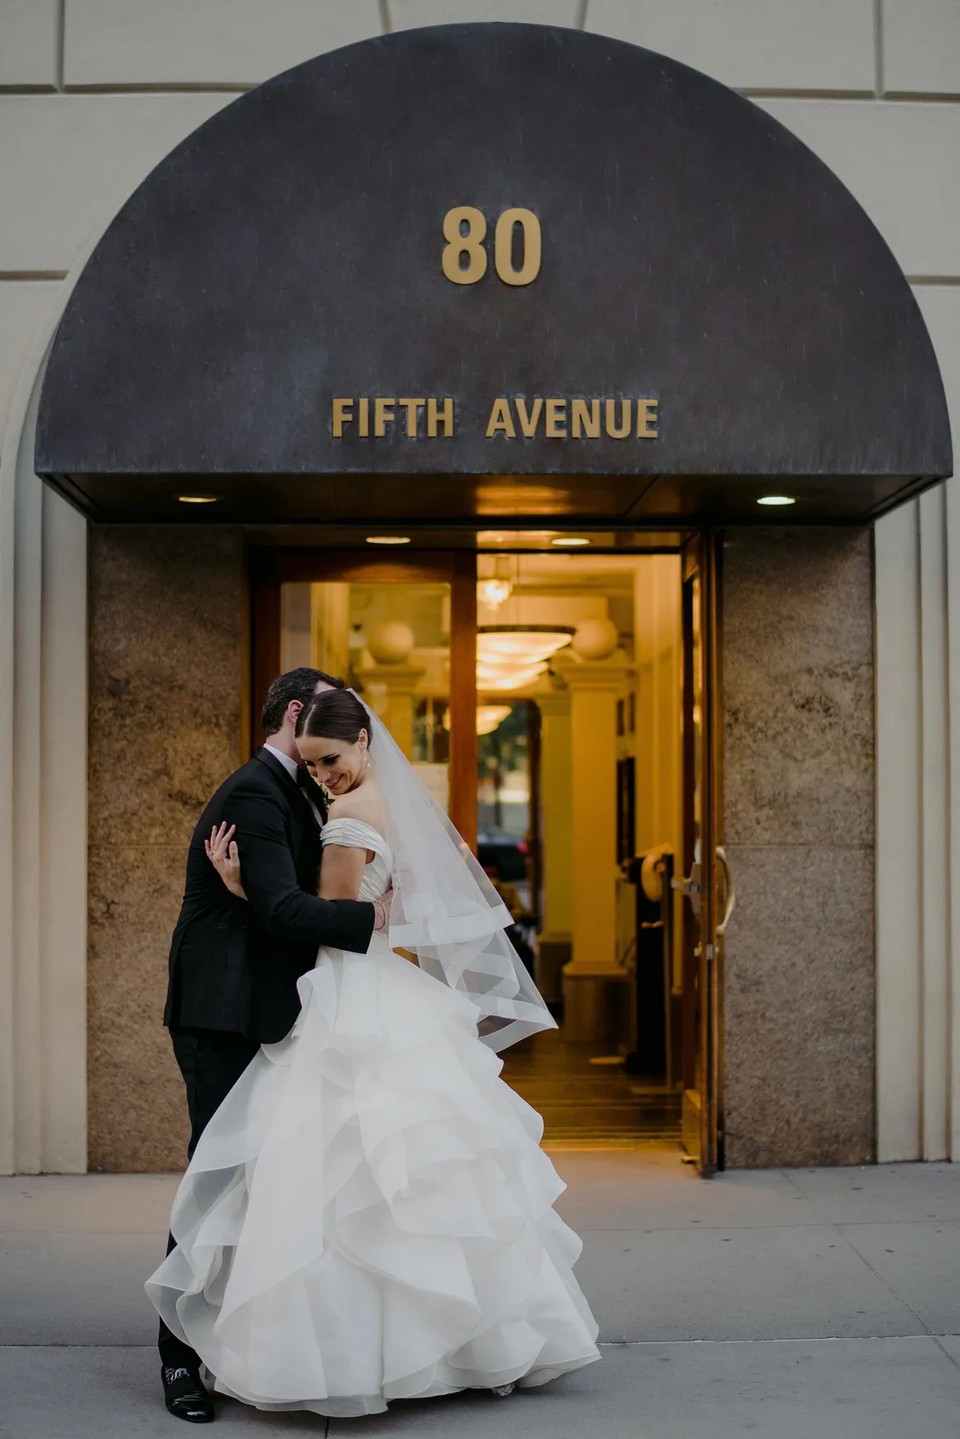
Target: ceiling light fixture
493,592
388,539
502,678
521,644
569,542
198,499
776,500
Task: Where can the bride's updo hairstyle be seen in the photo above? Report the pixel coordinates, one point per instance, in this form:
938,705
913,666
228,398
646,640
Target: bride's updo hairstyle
333,714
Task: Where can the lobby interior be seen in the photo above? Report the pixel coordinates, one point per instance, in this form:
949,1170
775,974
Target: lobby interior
577,652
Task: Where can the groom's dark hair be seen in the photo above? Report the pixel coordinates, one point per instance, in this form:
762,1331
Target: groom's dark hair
294,685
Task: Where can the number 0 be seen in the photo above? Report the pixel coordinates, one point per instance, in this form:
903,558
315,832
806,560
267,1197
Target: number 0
503,247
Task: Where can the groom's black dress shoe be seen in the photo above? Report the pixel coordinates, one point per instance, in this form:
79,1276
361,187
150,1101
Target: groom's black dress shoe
184,1394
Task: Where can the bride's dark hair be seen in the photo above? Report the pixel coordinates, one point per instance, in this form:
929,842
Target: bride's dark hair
334,714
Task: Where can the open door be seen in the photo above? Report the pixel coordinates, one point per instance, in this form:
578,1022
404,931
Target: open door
703,859
441,733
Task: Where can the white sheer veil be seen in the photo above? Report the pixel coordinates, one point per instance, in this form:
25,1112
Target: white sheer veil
445,909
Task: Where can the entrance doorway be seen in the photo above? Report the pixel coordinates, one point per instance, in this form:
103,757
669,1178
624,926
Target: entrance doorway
552,691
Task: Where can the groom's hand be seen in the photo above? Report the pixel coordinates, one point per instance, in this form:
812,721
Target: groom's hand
381,908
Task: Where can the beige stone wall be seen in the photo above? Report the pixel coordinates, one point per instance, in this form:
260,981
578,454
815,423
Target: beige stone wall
166,614
798,756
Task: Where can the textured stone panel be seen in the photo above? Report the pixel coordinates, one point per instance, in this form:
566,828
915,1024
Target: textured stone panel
137,1111
798,687
166,610
921,46
29,38
752,44
217,42
165,689
799,1007
410,14
900,161
22,306
798,778
67,162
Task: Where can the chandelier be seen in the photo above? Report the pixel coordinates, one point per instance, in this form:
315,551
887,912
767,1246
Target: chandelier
493,592
511,657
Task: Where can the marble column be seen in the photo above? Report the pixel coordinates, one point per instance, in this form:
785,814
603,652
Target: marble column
798,825
166,676
398,684
595,685
556,806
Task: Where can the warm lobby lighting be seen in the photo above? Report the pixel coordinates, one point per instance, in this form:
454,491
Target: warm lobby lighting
493,592
776,500
388,539
520,644
488,717
569,542
197,499
504,677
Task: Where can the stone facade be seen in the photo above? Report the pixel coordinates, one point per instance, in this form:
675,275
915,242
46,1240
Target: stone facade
798,826
166,616
92,94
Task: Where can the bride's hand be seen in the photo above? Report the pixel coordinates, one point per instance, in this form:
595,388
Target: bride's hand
223,854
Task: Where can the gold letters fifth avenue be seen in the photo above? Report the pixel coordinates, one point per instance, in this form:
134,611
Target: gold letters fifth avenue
512,417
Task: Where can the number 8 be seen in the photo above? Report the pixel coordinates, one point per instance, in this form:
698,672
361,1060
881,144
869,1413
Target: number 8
459,243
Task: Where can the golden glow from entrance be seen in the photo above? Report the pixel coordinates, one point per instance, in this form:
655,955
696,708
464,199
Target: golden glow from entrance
521,644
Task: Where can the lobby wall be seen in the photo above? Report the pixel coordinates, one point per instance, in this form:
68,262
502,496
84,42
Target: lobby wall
798,778
166,664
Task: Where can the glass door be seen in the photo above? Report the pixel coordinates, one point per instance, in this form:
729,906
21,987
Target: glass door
702,860
399,631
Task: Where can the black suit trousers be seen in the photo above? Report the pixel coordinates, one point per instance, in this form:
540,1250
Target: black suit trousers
211,1062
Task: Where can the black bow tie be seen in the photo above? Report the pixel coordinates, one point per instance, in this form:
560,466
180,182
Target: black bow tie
311,790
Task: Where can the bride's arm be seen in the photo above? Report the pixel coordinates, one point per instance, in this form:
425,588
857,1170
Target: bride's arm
223,854
342,871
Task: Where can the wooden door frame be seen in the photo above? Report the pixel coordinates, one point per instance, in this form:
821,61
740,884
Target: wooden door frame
703,557
269,568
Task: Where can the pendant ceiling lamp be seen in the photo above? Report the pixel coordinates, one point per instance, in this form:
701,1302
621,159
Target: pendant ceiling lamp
512,655
522,644
500,678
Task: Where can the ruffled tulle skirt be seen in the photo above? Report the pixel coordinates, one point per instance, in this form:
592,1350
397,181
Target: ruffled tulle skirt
369,1216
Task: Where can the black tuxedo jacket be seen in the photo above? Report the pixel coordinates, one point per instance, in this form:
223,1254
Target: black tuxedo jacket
234,964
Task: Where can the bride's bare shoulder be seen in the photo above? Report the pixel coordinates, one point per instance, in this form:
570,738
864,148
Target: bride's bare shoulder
361,804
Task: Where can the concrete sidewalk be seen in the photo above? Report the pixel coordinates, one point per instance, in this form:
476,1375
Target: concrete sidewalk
794,1304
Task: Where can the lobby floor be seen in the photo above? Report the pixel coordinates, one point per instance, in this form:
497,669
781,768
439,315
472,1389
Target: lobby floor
589,1104
790,1304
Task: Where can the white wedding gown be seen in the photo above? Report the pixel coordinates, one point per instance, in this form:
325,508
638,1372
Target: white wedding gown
368,1216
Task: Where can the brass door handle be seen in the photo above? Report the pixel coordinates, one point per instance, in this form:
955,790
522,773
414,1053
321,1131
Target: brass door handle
731,892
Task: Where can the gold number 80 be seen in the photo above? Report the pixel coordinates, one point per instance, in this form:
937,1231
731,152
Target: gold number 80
467,244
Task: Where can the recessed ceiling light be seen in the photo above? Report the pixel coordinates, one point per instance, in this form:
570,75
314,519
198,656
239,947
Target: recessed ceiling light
198,499
776,500
569,542
388,539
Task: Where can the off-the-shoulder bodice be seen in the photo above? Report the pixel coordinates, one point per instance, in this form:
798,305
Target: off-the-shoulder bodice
356,834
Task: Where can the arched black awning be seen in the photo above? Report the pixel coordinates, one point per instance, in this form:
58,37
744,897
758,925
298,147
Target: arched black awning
710,309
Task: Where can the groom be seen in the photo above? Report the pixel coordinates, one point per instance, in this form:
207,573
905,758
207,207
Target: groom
234,964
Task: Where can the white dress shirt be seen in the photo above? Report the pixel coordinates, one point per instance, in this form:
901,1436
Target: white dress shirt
291,767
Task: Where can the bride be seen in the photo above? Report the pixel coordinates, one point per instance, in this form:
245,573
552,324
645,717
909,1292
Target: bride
368,1216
